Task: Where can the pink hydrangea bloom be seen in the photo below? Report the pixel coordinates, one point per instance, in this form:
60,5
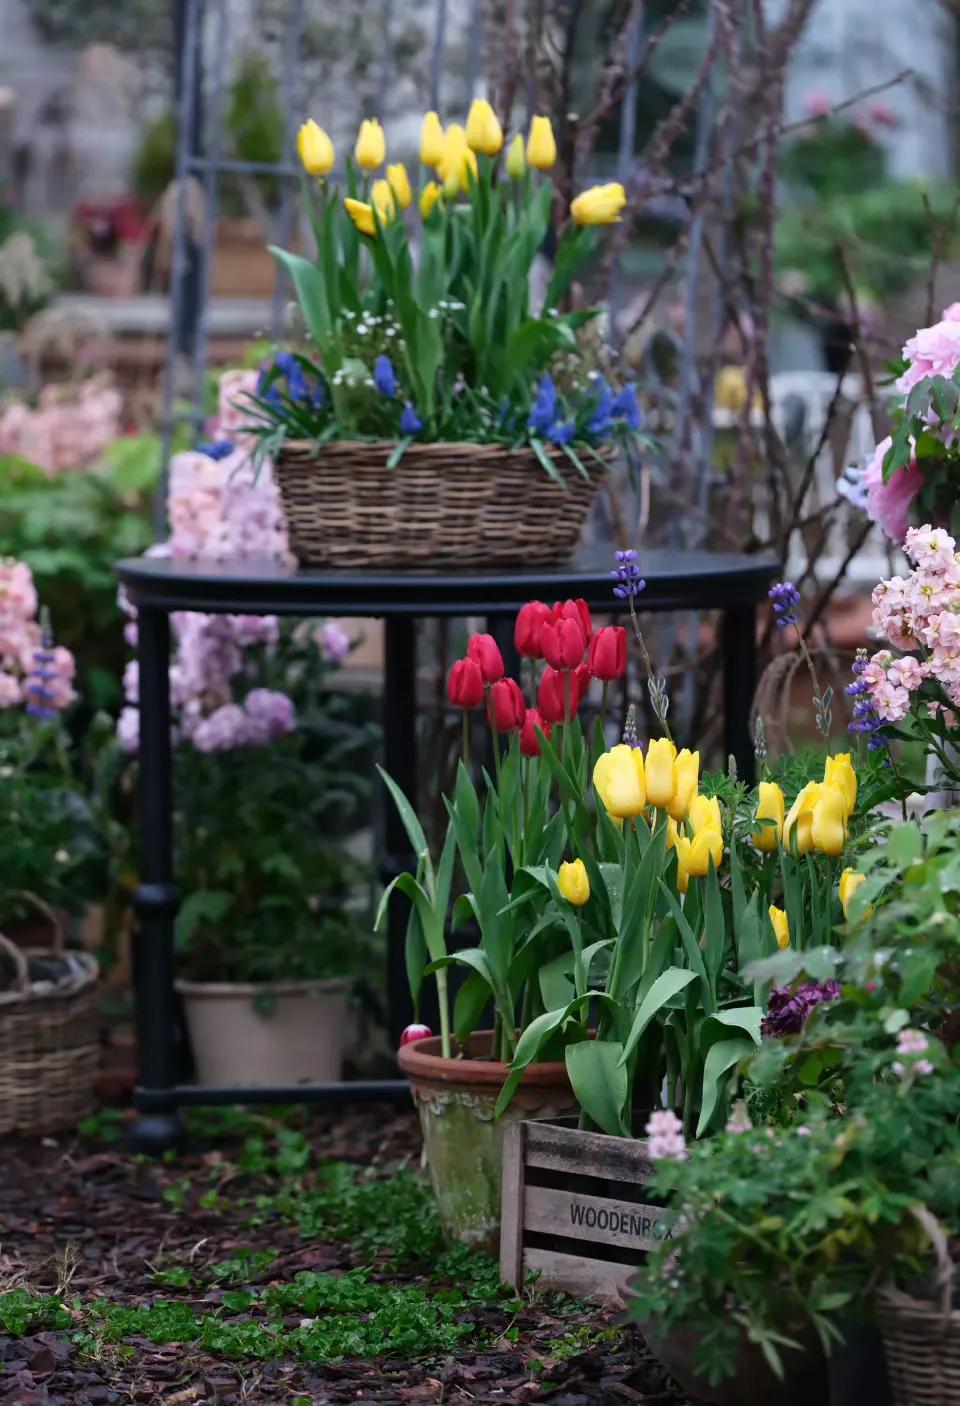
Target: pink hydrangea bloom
888,504
334,642
269,715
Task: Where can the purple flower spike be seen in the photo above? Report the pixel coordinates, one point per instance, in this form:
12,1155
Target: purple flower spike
788,1010
384,376
410,422
627,576
216,449
785,598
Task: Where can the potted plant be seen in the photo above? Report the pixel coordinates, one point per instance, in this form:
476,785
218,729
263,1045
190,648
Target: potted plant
435,388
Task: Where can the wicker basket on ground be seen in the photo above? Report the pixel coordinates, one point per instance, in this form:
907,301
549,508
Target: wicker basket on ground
49,1049
921,1337
441,505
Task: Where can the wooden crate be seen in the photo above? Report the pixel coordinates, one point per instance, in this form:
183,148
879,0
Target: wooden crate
574,1208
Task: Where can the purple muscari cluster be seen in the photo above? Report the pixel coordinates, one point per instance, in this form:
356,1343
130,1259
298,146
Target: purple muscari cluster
546,416
217,449
410,422
785,598
627,408
601,421
789,1008
627,576
631,738
287,366
384,376
866,720
39,687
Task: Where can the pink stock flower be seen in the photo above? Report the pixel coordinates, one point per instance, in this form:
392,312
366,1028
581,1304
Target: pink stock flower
223,730
888,504
269,715
932,351
665,1138
233,408
334,642
11,694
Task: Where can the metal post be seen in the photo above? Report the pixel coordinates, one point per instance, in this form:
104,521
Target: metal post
400,761
739,685
158,1125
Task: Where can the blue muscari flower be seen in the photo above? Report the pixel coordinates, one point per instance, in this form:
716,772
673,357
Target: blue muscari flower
410,422
384,377
544,413
625,407
216,449
865,718
269,393
785,598
39,694
627,576
561,432
600,421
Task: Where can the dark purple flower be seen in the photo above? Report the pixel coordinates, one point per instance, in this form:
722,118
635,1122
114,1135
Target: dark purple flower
789,1008
216,449
627,576
785,598
631,737
384,376
40,695
410,422
625,407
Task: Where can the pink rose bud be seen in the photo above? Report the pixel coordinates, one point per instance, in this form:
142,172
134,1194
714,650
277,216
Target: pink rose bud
415,1032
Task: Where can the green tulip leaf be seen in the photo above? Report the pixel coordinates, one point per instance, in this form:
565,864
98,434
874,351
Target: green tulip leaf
601,1082
663,990
721,1058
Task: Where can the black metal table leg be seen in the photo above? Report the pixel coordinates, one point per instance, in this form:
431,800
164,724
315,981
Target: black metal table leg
158,1125
739,685
400,761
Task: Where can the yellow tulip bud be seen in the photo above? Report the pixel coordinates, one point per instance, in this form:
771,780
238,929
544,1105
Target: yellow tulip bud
516,159
707,844
704,814
798,825
850,881
573,883
541,145
458,163
781,926
429,196
600,205
382,196
619,779
484,132
431,140
686,774
361,215
315,149
371,148
661,755
838,771
399,183
829,827
770,806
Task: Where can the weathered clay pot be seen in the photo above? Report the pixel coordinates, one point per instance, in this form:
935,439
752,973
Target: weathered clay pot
752,1383
456,1099
299,1039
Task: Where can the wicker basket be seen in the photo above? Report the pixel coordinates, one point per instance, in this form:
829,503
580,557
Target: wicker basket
443,504
49,1050
921,1338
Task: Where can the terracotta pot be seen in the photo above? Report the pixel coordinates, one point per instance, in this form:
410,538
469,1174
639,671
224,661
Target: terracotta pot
298,1039
462,1139
806,1381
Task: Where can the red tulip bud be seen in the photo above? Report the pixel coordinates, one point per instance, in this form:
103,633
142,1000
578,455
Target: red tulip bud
584,678
562,641
465,684
482,649
575,610
508,706
552,695
529,741
526,632
415,1032
608,653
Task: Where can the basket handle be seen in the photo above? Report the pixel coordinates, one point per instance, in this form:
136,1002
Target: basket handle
18,959
59,936
944,1279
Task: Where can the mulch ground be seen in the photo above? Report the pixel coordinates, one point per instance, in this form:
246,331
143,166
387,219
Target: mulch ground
94,1223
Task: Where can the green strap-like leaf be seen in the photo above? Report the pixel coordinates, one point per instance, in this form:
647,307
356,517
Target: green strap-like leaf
666,986
601,1083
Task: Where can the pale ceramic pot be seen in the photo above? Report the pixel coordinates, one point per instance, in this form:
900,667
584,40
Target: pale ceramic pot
300,1039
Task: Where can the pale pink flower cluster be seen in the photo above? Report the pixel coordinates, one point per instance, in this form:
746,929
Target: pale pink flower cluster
665,1138
739,1120
910,1044
21,637
69,428
920,613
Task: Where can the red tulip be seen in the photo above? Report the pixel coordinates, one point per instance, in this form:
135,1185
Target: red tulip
414,1032
583,678
526,632
563,642
507,705
551,699
575,610
465,684
482,649
608,653
529,741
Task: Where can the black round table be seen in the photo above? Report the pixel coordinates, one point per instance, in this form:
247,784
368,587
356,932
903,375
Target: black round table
676,580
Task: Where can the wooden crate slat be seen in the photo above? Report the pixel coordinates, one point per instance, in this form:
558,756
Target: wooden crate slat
512,1202
590,1154
588,1279
593,1219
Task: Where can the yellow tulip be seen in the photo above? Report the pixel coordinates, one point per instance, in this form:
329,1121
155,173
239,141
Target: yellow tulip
798,826
399,183
850,881
315,149
371,147
781,926
694,856
619,779
573,883
686,774
541,145
458,164
431,140
361,215
381,193
484,132
429,196
838,771
661,755
516,159
600,205
704,814
829,827
770,806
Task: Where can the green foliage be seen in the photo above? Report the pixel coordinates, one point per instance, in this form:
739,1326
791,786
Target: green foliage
22,1312
155,160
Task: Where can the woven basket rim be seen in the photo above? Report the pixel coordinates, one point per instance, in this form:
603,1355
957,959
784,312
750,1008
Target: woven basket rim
66,991
441,447
899,1301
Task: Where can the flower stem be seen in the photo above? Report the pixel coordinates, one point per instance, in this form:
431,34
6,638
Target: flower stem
443,1001
466,740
